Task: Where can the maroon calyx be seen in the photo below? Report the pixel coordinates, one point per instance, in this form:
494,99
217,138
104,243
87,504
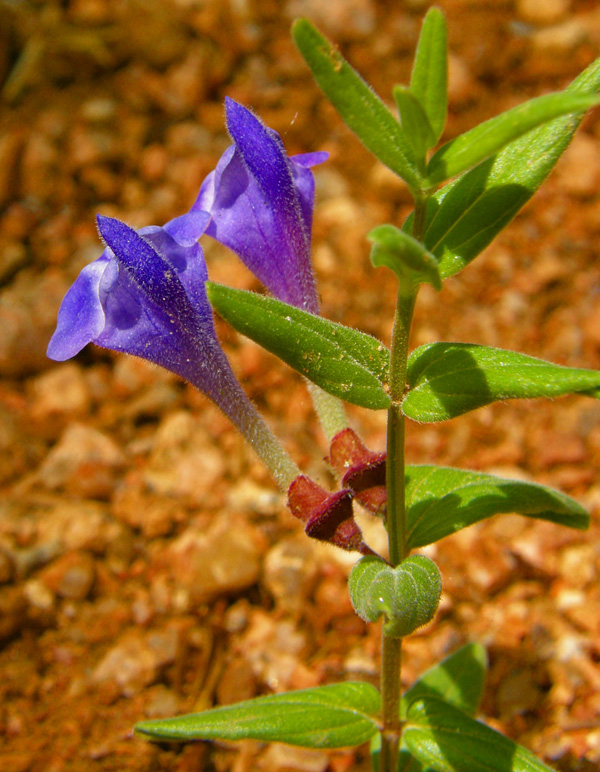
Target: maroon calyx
327,516
362,470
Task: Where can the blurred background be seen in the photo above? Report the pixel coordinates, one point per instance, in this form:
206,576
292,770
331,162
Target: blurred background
148,565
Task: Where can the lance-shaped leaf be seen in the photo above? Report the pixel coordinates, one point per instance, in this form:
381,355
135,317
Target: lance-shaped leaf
357,103
429,77
441,500
415,123
333,716
458,680
404,255
485,140
464,216
344,362
445,738
449,379
407,595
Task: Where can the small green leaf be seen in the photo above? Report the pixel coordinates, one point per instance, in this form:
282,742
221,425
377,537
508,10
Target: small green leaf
415,123
448,740
334,716
404,255
357,103
429,78
449,379
344,362
464,216
487,139
408,595
441,500
458,680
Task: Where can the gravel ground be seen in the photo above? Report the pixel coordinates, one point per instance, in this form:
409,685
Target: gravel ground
148,565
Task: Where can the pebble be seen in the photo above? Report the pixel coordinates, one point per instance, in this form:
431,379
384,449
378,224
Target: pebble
84,462
461,83
11,145
273,648
6,566
57,395
286,758
71,576
151,514
13,611
579,168
542,11
41,600
222,560
560,38
28,309
76,525
13,256
290,572
184,462
135,660
161,702
350,19
518,693
38,171
237,683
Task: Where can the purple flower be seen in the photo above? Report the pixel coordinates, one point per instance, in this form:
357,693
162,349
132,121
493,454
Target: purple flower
261,205
146,295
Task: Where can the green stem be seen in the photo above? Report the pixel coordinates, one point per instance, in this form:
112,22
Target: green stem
396,515
396,524
391,655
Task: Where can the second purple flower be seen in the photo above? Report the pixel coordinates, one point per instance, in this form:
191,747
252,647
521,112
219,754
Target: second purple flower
261,203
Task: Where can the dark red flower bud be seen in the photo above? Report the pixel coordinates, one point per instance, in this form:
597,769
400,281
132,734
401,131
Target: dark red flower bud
362,470
328,516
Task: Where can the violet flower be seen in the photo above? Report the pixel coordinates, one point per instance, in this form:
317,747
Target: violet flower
261,203
146,296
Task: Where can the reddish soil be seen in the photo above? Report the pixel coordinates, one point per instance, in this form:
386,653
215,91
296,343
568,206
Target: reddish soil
148,565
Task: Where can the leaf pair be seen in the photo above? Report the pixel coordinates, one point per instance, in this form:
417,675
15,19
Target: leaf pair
445,379
406,595
439,730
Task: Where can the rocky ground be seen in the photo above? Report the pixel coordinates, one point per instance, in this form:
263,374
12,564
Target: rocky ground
148,565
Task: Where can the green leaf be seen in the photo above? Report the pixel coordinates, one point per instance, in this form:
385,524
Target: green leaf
404,255
334,716
449,379
464,216
429,78
441,500
415,123
448,740
458,680
407,595
485,140
357,103
344,362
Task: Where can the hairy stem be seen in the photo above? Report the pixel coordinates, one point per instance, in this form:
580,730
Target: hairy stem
391,650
